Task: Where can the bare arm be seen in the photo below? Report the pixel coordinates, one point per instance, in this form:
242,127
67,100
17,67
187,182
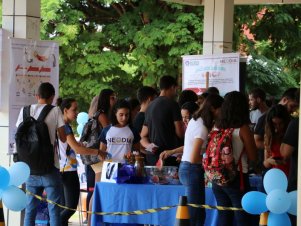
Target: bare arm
165,154
62,134
248,139
268,161
144,137
81,149
103,146
286,150
179,126
103,120
259,141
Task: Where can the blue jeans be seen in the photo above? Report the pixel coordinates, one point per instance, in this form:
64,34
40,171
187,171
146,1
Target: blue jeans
230,196
36,184
192,177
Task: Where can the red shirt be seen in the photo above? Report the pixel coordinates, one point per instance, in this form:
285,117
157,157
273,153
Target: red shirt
275,150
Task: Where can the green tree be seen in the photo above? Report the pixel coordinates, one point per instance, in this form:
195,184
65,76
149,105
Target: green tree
275,50
119,44
123,44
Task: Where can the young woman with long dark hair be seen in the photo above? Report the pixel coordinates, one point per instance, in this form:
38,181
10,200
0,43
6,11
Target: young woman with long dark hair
235,114
119,138
106,99
68,162
277,120
191,171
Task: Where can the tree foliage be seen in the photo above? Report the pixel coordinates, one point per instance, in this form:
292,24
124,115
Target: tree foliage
123,44
275,51
119,44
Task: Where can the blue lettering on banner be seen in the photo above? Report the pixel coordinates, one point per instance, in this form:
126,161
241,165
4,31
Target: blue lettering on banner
192,63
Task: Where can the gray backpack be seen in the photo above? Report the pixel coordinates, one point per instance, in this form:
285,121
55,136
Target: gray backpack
90,135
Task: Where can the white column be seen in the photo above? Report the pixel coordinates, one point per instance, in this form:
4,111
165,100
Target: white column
20,19
218,26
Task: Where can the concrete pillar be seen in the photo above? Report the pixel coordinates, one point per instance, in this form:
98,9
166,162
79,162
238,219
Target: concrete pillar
20,19
218,26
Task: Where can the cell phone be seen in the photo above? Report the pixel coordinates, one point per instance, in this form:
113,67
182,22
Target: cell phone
277,158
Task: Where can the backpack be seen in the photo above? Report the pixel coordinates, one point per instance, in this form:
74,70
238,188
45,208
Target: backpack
218,162
90,136
33,142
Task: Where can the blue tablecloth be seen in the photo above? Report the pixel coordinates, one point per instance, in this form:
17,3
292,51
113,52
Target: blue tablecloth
129,197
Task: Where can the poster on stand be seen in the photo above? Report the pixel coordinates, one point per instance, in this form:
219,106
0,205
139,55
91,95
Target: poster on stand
32,62
203,71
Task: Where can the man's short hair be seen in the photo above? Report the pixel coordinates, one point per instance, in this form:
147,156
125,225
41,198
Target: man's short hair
292,94
258,93
212,90
145,92
167,82
46,90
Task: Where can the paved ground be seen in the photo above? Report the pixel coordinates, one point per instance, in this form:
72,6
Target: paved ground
75,220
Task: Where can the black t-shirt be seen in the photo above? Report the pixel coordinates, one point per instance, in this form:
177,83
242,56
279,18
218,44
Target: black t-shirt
138,121
159,118
291,138
260,126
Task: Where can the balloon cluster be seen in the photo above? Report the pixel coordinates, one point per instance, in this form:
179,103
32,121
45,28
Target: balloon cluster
82,119
277,200
13,197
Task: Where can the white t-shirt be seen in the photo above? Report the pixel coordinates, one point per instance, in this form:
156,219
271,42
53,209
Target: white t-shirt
54,120
119,141
68,161
255,115
238,146
195,129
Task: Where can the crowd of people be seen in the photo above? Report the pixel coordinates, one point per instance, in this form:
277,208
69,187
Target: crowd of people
264,136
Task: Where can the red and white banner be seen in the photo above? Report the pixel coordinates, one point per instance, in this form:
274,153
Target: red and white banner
31,63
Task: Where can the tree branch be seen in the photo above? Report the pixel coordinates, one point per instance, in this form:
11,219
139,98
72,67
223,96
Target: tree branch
115,6
97,8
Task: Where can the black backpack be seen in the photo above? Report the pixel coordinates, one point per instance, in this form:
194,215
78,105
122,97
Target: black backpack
90,136
33,142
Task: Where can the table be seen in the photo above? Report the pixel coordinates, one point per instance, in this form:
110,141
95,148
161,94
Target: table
110,197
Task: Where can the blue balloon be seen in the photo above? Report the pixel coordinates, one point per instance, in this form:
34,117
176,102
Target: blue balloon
253,202
274,179
19,173
14,198
82,118
1,192
278,201
278,220
4,175
293,208
79,129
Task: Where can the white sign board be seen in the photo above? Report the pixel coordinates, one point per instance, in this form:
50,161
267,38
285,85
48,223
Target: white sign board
32,63
203,71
